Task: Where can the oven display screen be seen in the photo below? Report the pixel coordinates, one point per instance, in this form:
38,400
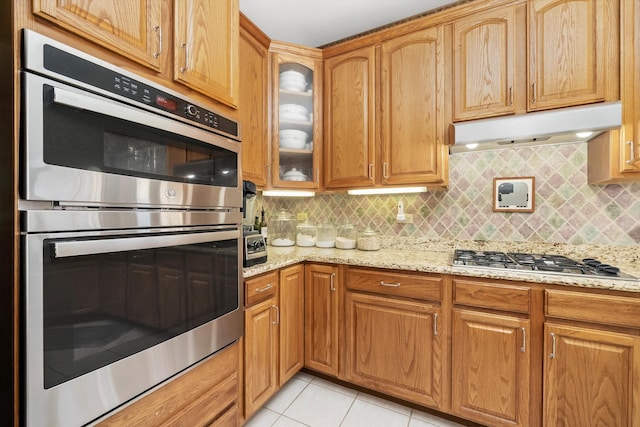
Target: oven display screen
166,103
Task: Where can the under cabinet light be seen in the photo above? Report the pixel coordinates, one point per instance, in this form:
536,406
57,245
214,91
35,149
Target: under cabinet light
394,190
288,193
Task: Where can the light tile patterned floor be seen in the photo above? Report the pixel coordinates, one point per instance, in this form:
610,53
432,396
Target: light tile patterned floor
311,401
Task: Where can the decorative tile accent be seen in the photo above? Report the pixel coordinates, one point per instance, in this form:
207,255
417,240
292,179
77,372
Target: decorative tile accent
568,210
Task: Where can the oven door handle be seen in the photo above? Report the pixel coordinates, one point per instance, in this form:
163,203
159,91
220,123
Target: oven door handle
98,105
70,248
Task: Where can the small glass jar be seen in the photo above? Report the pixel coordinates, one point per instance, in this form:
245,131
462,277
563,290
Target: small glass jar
306,234
346,236
282,229
326,236
368,240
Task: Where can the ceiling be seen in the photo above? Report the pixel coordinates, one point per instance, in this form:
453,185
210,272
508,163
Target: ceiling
316,23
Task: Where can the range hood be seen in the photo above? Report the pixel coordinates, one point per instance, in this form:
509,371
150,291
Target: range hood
538,128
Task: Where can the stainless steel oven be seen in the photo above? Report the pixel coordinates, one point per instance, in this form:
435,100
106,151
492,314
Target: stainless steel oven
131,234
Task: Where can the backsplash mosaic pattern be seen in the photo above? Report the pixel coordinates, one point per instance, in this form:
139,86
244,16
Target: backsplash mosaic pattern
567,210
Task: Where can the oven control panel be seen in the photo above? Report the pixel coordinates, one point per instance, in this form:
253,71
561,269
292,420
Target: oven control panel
112,81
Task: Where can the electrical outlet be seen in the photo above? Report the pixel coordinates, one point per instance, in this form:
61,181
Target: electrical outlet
302,216
408,219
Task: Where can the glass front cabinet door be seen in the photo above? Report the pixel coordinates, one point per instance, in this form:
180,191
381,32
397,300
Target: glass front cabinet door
297,117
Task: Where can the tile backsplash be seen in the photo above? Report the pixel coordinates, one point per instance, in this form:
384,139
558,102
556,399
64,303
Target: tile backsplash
567,209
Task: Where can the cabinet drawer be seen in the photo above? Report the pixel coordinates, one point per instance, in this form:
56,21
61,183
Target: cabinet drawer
596,308
209,407
409,285
497,296
210,388
260,288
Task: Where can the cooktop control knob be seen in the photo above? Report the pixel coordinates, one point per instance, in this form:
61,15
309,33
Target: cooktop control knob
192,110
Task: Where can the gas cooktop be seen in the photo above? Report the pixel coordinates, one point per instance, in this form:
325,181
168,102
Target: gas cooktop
540,263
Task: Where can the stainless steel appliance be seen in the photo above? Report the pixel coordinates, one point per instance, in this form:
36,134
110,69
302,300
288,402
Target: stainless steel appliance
537,263
131,234
255,247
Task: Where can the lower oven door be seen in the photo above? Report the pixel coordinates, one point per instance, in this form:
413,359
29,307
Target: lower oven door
112,314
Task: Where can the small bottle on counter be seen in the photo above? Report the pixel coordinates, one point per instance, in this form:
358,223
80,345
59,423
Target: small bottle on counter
263,226
256,224
368,240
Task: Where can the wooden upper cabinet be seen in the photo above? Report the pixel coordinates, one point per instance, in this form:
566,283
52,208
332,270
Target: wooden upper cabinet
206,39
573,52
489,63
253,102
132,28
349,111
412,99
614,156
591,377
297,111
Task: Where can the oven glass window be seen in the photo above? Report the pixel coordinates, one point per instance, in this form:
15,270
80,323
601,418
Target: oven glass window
102,308
82,139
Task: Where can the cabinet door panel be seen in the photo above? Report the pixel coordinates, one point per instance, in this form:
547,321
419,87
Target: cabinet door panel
261,352
485,61
570,51
491,365
254,109
592,378
350,119
412,98
128,27
322,288
291,322
206,47
393,347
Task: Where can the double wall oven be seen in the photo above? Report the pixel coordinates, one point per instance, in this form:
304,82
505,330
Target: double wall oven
131,234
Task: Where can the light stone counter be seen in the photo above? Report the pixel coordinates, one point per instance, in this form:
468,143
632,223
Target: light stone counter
435,257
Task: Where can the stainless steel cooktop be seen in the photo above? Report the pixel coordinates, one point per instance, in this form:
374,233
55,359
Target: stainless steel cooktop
538,263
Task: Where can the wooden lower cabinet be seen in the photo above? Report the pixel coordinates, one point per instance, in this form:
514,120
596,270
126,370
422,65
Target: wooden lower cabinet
393,346
490,368
291,322
274,333
206,395
260,342
322,301
591,377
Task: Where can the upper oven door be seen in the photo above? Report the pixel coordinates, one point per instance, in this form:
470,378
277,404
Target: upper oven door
84,149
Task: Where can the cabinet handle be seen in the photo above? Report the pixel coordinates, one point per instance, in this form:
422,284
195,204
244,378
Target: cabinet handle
333,276
385,171
435,324
553,346
186,57
391,285
511,96
533,97
266,288
277,322
370,170
158,30
632,156
523,349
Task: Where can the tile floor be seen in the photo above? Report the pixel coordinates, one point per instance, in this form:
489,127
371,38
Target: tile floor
307,400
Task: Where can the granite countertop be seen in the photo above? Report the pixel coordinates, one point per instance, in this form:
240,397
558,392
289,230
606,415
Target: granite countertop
435,257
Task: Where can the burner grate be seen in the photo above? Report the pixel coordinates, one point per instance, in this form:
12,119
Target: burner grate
541,263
